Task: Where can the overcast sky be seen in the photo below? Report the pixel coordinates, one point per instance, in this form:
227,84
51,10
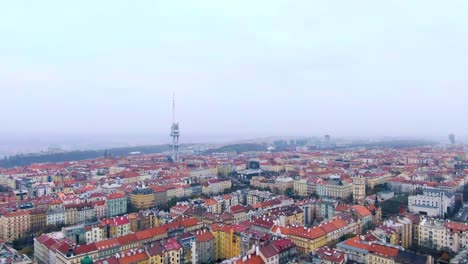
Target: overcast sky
264,68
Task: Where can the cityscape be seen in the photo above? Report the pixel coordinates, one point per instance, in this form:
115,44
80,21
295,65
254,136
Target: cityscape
294,202
257,132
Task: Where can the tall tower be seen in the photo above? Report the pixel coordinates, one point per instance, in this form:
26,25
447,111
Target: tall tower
359,188
175,133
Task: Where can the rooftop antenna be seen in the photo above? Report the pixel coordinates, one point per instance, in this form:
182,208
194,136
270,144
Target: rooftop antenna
173,108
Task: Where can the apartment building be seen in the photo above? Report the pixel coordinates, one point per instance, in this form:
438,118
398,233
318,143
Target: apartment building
334,187
300,187
14,225
142,198
116,204
204,247
306,239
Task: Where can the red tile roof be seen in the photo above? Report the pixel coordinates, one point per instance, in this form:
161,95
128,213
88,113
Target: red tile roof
134,257
299,231
115,196
331,255
455,226
361,210
127,239
268,251
253,259
108,243
16,214
189,222
384,251
204,235
156,231
83,249
172,244
143,234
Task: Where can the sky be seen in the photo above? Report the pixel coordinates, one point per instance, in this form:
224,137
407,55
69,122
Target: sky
247,68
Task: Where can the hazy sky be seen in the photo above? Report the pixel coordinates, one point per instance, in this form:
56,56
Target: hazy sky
249,67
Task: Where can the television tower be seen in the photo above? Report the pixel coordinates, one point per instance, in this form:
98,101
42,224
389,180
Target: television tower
175,133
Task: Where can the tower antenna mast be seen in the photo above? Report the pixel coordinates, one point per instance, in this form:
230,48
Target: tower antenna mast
175,133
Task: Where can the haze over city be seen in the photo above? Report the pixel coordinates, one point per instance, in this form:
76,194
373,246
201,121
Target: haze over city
238,70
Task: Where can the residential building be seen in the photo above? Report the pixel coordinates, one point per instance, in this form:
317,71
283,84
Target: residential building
334,187
14,225
38,219
115,227
56,216
100,208
278,252
116,204
306,239
142,198
300,187
204,247
227,241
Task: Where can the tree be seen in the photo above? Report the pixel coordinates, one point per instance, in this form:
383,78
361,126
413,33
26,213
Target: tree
368,226
349,199
346,237
290,193
166,207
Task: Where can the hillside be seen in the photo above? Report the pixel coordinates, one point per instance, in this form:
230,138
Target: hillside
28,159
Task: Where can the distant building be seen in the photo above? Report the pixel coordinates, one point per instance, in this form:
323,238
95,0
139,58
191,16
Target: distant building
334,187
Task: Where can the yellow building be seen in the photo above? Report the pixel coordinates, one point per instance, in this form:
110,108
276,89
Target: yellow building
38,219
307,240
142,198
173,251
227,242
14,225
289,215
300,187
117,226
380,254
376,180
71,214
272,167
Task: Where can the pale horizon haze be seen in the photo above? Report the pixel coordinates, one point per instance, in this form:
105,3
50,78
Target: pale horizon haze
237,68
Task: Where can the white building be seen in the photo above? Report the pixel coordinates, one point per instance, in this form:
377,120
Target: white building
43,188
56,216
432,203
93,234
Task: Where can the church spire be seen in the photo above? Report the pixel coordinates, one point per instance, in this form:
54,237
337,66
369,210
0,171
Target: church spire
376,202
